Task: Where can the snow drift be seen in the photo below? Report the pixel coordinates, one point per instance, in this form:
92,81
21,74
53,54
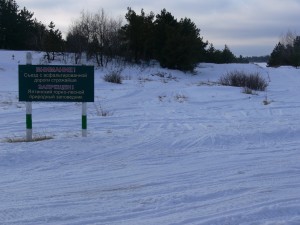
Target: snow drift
171,148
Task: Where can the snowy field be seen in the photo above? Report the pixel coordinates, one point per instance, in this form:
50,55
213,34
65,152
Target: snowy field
174,148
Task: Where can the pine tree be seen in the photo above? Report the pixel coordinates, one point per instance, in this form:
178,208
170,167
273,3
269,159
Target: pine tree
8,24
18,29
26,30
139,34
296,52
277,56
178,45
164,27
54,42
227,55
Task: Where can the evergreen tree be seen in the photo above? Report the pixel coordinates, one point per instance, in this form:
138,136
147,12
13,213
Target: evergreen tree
178,45
138,35
227,55
210,53
54,42
277,56
296,52
39,37
8,24
18,29
165,26
184,46
217,57
286,54
26,30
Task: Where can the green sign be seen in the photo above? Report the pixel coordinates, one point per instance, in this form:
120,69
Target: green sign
56,83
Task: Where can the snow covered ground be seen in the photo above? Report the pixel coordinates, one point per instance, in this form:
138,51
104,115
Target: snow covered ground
174,148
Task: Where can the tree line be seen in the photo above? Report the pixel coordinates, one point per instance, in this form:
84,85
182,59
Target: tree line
286,52
175,44
20,31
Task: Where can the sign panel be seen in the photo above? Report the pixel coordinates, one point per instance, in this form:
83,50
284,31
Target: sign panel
50,83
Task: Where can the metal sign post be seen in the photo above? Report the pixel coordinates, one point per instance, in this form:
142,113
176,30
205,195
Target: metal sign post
84,119
84,105
28,107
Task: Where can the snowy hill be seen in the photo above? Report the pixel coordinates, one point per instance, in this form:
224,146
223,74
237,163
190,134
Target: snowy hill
174,148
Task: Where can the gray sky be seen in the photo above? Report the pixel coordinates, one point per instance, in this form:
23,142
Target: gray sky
248,27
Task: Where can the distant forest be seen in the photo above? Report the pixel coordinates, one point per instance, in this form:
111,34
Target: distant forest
175,44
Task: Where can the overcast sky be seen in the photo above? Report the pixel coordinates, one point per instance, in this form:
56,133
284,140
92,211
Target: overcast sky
248,27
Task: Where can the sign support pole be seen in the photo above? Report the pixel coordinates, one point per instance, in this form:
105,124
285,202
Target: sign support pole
84,119
84,105
28,121
28,107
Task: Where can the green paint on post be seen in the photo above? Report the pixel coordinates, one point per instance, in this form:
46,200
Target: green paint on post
84,122
28,121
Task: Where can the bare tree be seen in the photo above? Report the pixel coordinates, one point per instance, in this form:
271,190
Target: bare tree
77,42
288,38
100,33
